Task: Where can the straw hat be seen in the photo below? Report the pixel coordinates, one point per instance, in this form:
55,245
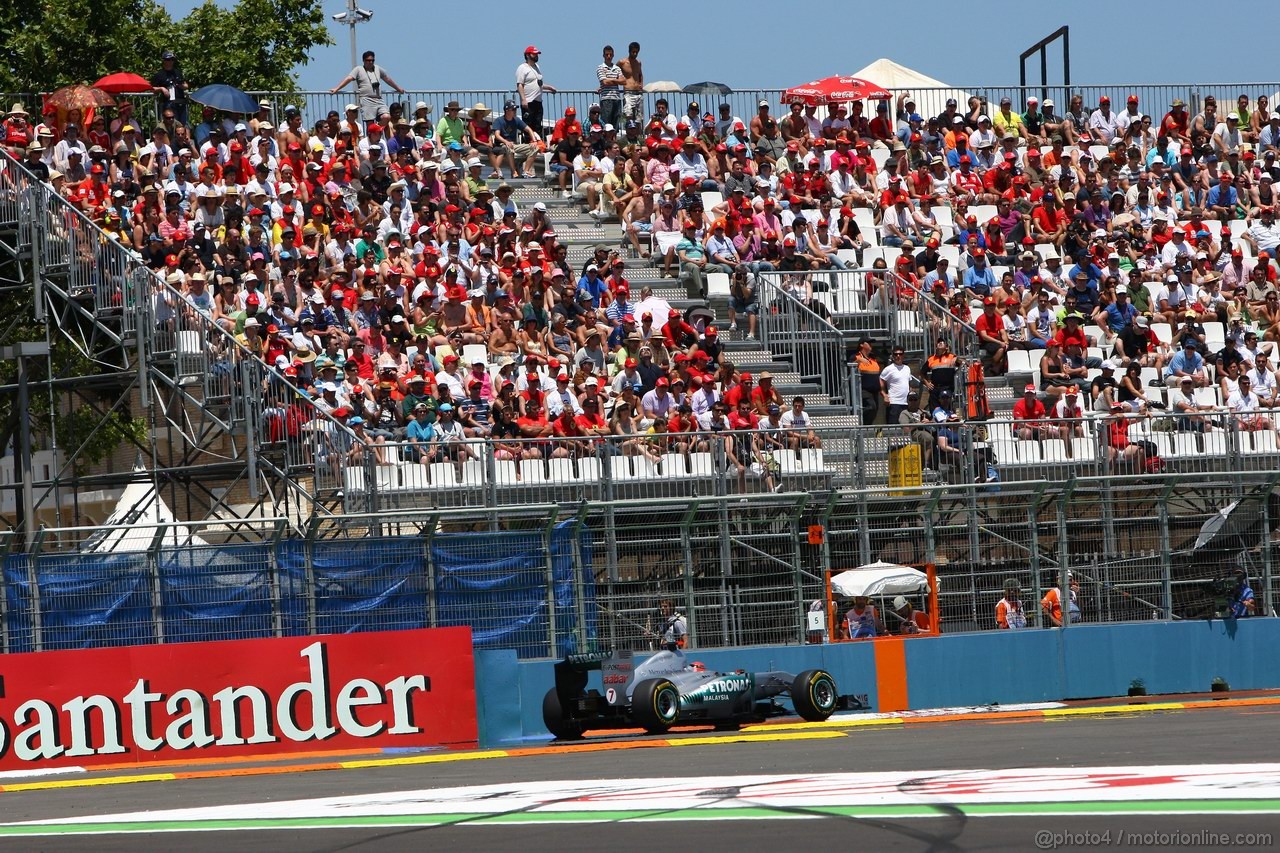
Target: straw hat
479,110
18,109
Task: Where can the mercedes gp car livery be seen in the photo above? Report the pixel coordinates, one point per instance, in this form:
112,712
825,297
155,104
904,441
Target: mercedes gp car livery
669,690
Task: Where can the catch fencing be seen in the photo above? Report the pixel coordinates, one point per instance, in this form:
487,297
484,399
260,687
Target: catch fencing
551,579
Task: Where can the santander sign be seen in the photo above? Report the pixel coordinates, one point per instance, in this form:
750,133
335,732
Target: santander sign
150,703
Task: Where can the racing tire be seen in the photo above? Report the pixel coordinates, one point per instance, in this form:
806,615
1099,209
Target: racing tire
554,718
655,705
813,693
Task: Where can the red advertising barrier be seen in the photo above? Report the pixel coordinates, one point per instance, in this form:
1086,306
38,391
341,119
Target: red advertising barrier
238,697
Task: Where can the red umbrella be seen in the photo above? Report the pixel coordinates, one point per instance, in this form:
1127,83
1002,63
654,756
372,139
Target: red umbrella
835,90
121,82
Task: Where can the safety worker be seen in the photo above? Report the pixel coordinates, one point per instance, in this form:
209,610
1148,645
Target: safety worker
1010,614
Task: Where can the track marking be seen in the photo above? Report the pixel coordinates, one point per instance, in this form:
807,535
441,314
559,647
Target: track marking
1175,789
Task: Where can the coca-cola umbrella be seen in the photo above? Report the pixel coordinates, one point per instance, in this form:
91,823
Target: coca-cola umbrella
123,82
835,90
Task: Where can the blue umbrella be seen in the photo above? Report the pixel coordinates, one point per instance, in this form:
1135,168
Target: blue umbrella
226,98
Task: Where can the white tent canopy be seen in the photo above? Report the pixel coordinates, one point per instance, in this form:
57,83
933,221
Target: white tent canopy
134,523
879,579
930,94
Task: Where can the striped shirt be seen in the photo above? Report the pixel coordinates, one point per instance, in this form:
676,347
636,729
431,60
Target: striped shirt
604,72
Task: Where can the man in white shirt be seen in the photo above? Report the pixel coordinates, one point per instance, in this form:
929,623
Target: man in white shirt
586,166
1264,234
895,384
1102,122
1226,136
611,79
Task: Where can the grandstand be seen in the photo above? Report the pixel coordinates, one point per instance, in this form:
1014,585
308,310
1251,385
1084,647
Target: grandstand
278,376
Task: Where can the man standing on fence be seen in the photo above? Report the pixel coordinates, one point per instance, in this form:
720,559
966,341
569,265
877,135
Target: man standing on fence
368,77
674,633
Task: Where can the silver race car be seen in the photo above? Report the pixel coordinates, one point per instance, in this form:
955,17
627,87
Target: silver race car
668,689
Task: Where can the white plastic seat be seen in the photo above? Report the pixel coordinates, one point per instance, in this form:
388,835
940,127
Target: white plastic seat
711,199
444,475
809,461
1264,442
700,464
984,213
504,472
718,284
589,470
620,467
414,477
1084,449
1019,362
561,471
1029,451
1179,445
1208,396
1053,450
353,480
387,478
531,471
1162,331
471,353
1215,443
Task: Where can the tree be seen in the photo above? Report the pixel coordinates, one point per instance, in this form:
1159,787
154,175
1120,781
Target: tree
255,45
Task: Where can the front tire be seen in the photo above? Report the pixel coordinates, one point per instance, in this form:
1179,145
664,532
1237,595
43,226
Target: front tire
655,705
554,718
813,693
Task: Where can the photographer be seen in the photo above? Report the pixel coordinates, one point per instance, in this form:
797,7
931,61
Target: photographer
1240,603
743,300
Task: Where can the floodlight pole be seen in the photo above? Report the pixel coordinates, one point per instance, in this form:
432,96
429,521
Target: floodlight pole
350,18
25,503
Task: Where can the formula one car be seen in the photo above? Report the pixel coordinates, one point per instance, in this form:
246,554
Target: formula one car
669,690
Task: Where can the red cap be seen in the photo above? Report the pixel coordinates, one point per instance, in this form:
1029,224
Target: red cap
746,377
964,158
1133,99
171,261
375,128
979,252
712,332
531,49
1237,253
1186,150
1033,152
629,363
1009,155
932,243
662,382
990,300
690,181
252,299
272,328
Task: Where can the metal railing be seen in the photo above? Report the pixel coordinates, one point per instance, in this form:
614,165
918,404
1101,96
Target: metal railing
1152,98
483,474
796,322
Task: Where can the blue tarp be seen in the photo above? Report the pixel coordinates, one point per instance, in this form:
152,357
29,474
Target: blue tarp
495,582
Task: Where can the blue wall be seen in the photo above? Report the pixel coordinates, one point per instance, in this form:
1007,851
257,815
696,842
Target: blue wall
1083,662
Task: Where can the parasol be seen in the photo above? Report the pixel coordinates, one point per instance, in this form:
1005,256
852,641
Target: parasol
78,97
229,99
707,90
879,579
122,82
662,86
835,90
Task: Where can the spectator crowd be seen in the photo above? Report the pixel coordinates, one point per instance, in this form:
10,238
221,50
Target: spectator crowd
379,259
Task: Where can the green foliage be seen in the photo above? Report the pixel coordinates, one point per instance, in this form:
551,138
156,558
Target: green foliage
255,45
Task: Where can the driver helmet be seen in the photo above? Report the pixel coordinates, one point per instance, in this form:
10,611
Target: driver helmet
697,666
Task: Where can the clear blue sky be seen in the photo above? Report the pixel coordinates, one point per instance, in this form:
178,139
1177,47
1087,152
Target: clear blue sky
477,45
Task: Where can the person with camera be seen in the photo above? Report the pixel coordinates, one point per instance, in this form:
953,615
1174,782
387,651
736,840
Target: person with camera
1240,601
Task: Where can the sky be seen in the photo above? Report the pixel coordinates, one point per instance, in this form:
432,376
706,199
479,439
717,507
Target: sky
747,46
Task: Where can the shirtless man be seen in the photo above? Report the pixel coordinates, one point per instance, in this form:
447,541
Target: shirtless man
293,131
637,218
633,85
503,340
455,316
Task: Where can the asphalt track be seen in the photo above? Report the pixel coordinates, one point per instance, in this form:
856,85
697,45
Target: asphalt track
1218,736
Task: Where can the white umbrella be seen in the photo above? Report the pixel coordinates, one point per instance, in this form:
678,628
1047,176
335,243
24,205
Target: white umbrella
663,86
879,579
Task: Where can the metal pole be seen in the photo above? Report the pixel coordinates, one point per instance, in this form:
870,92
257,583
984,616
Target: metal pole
1166,572
27,510
547,532
1064,557
579,605
33,581
1266,555
351,30
1066,57
309,573
428,560
686,540
157,600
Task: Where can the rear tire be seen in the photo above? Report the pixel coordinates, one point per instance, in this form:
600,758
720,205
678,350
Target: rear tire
655,705
813,693
553,717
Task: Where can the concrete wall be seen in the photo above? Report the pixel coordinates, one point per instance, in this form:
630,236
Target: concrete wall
1003,667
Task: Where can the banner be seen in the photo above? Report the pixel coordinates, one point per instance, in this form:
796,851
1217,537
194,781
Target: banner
237,697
